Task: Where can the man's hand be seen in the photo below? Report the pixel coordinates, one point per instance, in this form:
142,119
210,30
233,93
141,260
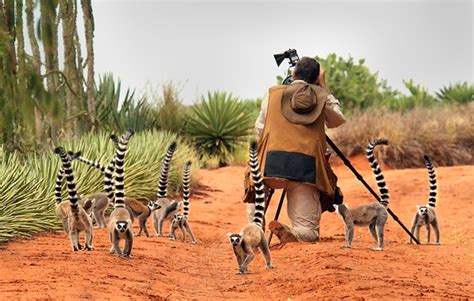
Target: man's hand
320,81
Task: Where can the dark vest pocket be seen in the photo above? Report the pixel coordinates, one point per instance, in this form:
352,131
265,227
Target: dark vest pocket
291,166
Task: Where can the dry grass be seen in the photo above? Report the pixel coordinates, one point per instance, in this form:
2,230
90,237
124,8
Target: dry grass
445,133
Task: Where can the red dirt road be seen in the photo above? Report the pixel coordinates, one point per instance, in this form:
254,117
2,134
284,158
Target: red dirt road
44,267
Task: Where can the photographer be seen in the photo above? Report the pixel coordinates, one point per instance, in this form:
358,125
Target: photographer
292,147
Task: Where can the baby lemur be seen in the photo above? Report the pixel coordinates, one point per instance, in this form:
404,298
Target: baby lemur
181,220
426,214
374,215
77,219
120,222
252,236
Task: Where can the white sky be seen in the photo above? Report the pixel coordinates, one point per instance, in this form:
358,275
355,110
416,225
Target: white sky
227,45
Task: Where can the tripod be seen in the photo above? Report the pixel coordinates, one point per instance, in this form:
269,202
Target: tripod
358,176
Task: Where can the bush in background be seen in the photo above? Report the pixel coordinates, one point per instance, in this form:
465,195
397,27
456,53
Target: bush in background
27,191
445,133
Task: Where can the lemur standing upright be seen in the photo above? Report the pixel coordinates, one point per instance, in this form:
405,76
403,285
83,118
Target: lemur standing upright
375,214
426,214
252,236
181,220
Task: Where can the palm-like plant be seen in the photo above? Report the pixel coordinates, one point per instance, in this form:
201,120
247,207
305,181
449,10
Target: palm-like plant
218,125
456,93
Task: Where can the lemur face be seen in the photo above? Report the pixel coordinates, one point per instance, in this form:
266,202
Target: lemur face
153,206
234,239
422,210
121,226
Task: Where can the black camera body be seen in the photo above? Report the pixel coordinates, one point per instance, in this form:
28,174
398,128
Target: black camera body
293,58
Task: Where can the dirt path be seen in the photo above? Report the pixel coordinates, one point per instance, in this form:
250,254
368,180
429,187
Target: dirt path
44,268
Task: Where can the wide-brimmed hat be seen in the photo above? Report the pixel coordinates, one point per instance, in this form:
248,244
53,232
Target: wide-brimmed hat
302,103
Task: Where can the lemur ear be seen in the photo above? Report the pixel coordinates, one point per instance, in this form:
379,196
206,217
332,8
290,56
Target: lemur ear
229,234
418,206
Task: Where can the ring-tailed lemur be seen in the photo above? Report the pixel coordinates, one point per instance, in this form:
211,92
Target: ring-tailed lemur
120,223
426,214
374,215
63,207
101,201
168,207
181,220
252,236
77,218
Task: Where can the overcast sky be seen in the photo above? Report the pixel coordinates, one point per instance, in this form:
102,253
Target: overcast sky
228,45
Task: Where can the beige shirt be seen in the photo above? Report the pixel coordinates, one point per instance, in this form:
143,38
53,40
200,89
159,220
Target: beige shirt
334,116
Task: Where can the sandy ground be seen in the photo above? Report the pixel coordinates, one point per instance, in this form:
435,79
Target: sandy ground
44,268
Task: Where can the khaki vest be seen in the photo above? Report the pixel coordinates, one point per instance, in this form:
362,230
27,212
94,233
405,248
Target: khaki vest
293,152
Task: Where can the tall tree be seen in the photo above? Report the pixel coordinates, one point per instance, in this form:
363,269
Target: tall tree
89,32
68,22
8,30
49,38
36,58
20,48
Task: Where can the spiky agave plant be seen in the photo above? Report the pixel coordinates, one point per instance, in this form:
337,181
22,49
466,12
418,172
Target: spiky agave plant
218,124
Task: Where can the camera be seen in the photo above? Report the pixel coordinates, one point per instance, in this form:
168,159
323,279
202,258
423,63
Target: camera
293,58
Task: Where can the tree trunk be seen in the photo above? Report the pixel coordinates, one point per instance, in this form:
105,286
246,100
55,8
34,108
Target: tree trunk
47,25
30,24
70,68
89,33
20,48
8,12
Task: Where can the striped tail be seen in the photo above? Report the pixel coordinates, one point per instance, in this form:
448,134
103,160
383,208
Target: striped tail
119,161
377,171
163,180
109,173
60,176
71,186
258,183
433,184
186,181
95,164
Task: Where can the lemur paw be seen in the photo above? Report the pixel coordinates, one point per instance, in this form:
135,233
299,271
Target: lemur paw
376,249
172,238
112,250
346,247
89,248
269,267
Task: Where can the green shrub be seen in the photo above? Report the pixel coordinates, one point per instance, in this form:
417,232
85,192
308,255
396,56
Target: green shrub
456,93
218,125
27,185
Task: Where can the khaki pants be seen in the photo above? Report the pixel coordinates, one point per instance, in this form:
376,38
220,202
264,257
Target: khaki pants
304,211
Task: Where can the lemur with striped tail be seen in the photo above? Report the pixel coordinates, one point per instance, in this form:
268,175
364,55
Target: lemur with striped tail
374,215
63,207
168,207
77,218
101,200
181,220
120,222
252,236
426,214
